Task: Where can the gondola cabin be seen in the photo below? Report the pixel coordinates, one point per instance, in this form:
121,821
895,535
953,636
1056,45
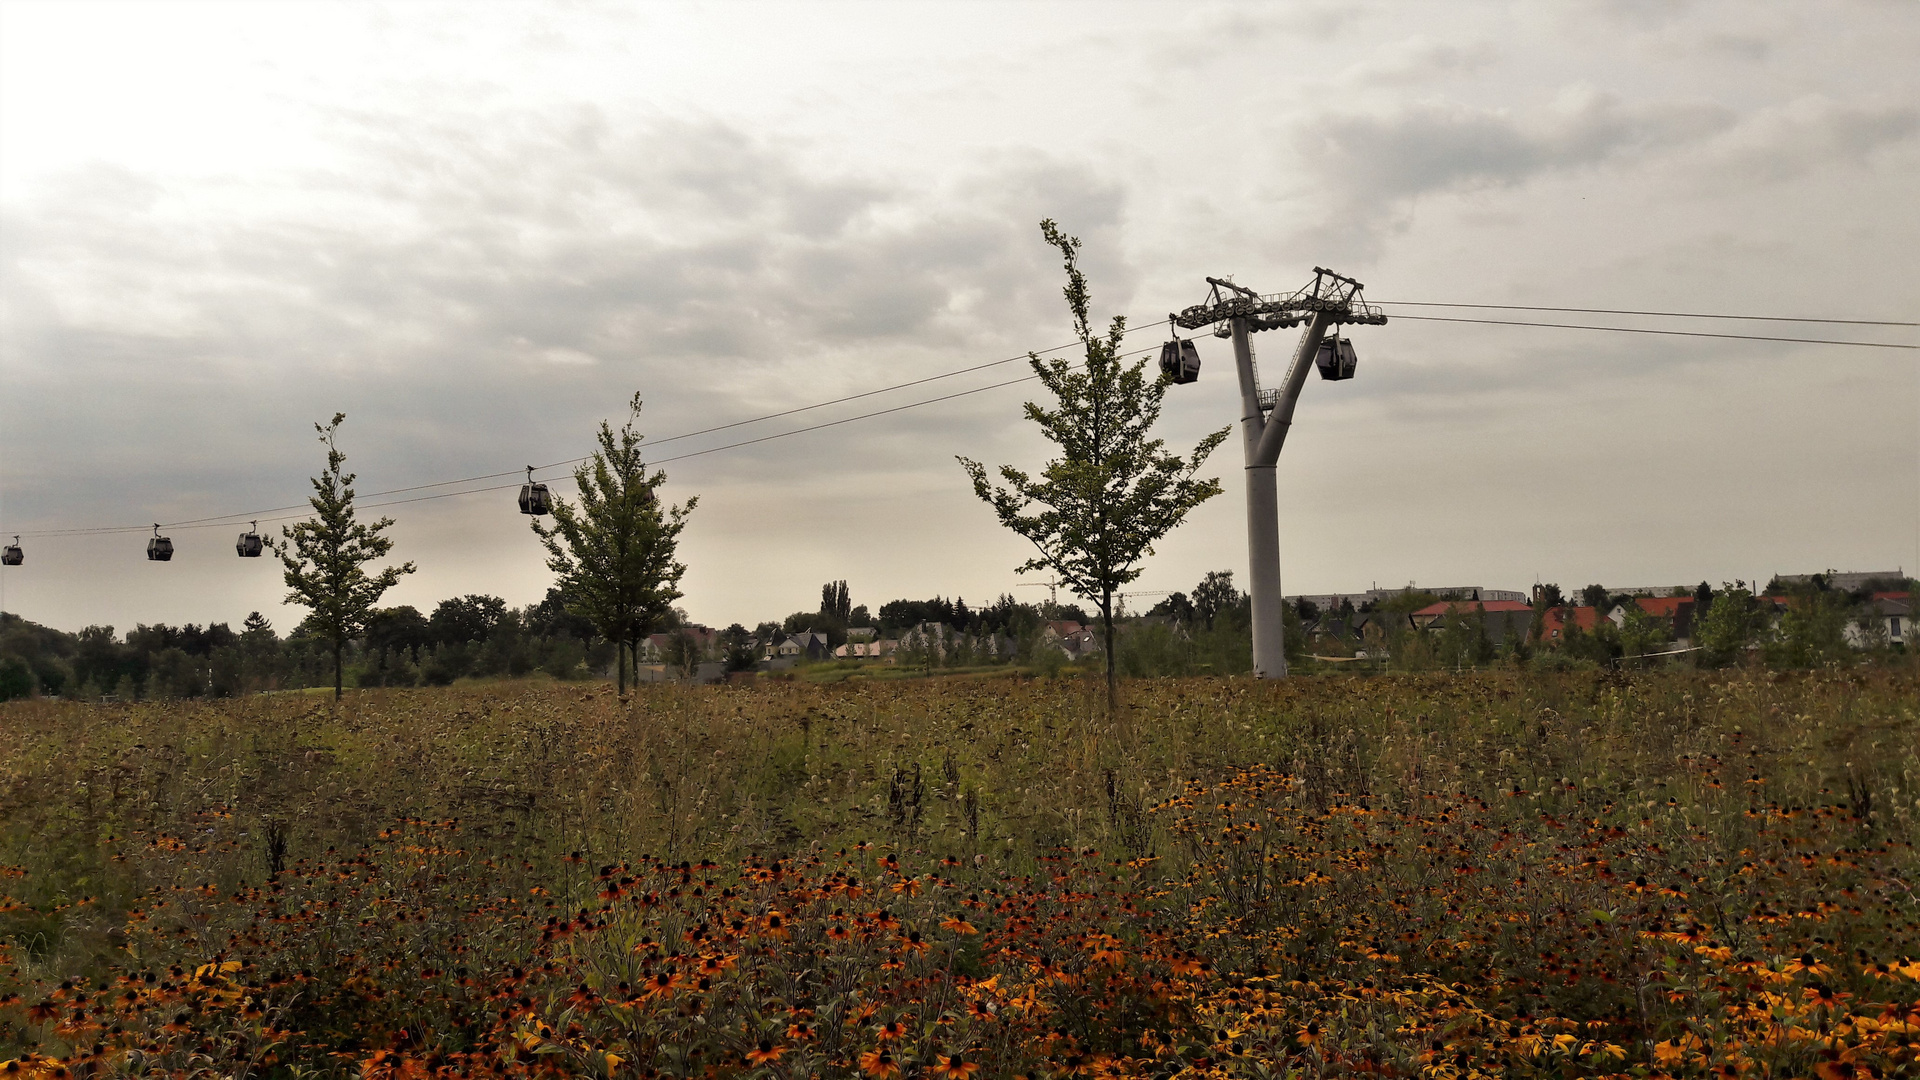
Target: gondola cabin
535,500
13,556
1336,358
1180,361
159,548
249,546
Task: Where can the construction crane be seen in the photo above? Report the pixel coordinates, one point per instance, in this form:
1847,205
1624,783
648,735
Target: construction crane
1052,585
1330,300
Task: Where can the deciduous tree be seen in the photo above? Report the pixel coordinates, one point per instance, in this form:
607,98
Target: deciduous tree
1215,593
614,552
326,556
1097,510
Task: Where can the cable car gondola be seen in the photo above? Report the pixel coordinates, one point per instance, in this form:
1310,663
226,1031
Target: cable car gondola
250,545
1336,358
159,548
13,556
1180,360
535,500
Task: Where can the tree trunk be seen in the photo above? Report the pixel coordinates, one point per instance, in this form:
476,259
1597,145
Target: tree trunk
1113,678
337,645
621,648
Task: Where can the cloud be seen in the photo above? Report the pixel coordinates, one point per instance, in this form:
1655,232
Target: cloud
1808,133
1420,61
694,240
1369,169
451,263
1416,150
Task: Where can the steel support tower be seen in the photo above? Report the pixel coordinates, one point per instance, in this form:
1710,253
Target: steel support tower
1237,312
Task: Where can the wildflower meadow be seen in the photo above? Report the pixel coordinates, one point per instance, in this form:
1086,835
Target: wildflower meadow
1487,874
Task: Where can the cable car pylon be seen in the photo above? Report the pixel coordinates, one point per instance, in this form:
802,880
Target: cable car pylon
1236,312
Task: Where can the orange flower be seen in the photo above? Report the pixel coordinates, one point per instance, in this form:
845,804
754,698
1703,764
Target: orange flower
765,1052
958,925
661,986
890,1030
1822,994
953,1067
1805,964
879,1064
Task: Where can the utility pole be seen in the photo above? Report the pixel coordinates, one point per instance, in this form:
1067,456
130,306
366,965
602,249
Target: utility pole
1237,312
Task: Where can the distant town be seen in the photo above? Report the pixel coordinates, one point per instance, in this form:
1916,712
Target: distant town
1334,627
1791,620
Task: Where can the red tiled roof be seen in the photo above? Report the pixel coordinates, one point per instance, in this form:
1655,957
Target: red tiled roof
1556,619
1446,606
1662,605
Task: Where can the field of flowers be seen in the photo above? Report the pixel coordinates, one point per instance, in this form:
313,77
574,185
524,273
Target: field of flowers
1677,873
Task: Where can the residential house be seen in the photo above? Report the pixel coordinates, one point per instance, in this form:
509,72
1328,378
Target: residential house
1070,638
1427,616
1557,622
811,644
1505,621
1674,612
654,648
1893,611
940,641
929,638
1341,626
868,650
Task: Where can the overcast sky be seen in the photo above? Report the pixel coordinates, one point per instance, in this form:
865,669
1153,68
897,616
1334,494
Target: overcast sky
477,229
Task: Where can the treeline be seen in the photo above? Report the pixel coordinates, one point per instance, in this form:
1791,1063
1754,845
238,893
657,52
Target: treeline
467,636
838,614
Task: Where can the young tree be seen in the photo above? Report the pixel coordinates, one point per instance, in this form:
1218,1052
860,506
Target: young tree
682,654
1114,491
614,553
326,557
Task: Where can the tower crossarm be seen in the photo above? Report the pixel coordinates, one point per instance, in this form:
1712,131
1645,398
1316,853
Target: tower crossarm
1337,295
